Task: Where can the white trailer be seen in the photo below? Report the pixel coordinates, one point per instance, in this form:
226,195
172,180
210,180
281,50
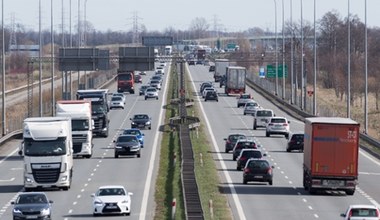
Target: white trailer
220,69
81,124
48,154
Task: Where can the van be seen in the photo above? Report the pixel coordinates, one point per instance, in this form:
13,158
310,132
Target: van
262,117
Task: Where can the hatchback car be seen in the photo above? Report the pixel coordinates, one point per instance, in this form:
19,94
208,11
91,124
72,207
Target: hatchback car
243,98
245,155
116,102
361,212
120,95
138,79
157,77
137,132
278,125
251,107
204,85
142,89
127,144
141,121
231,141
243,144
295,142
111,199
211,95
32,205
258,170
206,90
151,93
156,84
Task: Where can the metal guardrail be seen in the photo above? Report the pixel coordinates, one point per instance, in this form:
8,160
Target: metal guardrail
18,133
301,115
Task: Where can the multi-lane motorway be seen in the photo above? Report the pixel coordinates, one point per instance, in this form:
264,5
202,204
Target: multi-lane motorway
136,174
285,199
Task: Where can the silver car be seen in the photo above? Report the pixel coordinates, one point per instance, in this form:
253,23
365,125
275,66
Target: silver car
151,93
156,84
251,107
117,102
243,98
278,125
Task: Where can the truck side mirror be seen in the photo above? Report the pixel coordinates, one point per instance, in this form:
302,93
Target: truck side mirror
20,152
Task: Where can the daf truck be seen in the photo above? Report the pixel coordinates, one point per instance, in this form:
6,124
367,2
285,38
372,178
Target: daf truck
220,69
235,80
99,108
81,124
331,149
48,153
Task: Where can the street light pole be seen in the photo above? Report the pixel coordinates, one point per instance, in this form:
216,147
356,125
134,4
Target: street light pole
303,104
52,59
283,51
39,60
349,63
85,23
4,121
275,49
315,63
366,72
291,55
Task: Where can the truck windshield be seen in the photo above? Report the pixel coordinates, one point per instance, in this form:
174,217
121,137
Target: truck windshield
45,148
124,77
97,108
79,125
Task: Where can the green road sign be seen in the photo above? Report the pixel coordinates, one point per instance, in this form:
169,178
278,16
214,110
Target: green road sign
271,72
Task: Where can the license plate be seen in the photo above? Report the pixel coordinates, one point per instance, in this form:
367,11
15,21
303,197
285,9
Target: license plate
111,207
333,183
31,217
258,177
141,126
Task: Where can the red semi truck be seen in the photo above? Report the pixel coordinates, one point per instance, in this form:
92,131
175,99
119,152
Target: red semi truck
125,82
331,148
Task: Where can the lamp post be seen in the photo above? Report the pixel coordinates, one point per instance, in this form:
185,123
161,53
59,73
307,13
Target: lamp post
39,60
275,49
291,55
4,125
315,63
283,51
366,71
303,81
85,23
52,59
348,63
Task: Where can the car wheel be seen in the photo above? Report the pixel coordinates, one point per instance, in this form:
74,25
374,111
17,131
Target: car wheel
286,136
254,126
65,188
287,150
150,128
270,182
28,189
245,181
138,155
350,192
226,150
244,113
157,98
267,134
238,168
233,158
116,155
205,100
146,98
88,156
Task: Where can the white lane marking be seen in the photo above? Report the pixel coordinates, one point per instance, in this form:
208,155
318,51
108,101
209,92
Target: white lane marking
368,173
311,208
222,163
9,155
9,180
18,168
304,200
316,216
148,180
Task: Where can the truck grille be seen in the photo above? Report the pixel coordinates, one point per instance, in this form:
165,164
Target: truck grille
77,147
45,175
79,138
98,124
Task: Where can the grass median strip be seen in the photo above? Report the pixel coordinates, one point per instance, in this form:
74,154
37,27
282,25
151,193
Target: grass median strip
169,184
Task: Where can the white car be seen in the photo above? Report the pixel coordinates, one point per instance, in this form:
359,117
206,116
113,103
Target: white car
113,199
361,212
206,90
262,117
156,84
251,107
151,93
120,95
278,125
117,102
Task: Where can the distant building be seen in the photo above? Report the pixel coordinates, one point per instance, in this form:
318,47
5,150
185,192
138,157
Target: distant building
31,50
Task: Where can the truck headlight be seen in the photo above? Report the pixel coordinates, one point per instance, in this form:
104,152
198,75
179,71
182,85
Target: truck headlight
64,178
28,180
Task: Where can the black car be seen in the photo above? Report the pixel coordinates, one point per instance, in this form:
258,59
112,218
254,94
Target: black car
142,89
211,68
247,154
191,62
211,95
258,170
127,144
231,141
141,121
295,142
32,205
243,144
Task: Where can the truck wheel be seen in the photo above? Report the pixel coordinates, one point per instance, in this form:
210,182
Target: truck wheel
350,192
66,188
267,134
254,126
88,156
245,181
312,191
238,168
286,136
28,189
270,182
233,158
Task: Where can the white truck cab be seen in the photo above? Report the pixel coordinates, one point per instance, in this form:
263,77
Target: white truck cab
48,154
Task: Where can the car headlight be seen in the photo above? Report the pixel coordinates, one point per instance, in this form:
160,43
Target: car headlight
45,211
98,202
133,122
17,211
125,201
148,123
117,146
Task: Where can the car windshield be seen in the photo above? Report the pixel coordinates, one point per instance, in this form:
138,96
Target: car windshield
363,212
151,90
258,164
297,137
116,98
31,199
245,96
234,138
252,154
118,94
278,120
246,144
134,132
111,192
251,104
264,113
127,139
141,117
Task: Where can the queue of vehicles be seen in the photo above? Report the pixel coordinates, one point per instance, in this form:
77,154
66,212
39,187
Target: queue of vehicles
50,144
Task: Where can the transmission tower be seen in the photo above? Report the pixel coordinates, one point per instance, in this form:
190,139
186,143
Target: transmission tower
135,29
12,37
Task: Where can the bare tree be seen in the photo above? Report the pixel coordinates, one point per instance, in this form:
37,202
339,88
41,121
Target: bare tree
199,27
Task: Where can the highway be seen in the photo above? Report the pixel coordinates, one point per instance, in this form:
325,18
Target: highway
136,174
286,199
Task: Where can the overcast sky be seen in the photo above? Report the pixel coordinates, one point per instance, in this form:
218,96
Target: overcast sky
238,15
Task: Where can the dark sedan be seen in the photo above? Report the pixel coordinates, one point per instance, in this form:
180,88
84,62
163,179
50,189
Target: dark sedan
127,144
295,142
31,205
242,144
258,170
247,154
231,141
141,121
